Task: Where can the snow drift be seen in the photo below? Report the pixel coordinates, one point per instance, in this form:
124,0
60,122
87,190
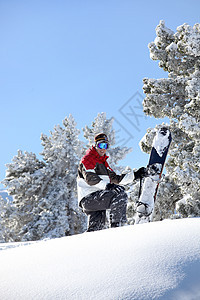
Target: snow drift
159,260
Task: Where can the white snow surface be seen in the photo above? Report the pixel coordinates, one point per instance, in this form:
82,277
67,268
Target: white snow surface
160,142
159,260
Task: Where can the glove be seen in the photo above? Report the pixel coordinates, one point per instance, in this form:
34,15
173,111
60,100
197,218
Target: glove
140,173
115,187
110,186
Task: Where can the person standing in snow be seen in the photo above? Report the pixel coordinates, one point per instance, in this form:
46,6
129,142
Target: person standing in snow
100,188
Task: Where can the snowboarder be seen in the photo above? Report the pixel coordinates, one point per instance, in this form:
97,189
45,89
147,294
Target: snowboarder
100,188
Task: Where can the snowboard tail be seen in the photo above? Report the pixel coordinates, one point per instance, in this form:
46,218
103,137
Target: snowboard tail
149,187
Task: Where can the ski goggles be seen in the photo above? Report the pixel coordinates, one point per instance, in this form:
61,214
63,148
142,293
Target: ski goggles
102,145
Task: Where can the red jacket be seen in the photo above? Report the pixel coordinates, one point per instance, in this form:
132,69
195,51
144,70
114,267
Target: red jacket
94,173
91,158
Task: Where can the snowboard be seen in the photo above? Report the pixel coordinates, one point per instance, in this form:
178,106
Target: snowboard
149,185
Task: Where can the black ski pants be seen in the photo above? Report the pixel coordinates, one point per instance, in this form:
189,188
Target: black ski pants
96,204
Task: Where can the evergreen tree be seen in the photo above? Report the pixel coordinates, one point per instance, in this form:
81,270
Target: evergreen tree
24,180
133,195
60,214
177,97
7,220
44,193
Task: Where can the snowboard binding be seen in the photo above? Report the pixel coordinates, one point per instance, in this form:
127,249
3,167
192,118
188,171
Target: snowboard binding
154,169
143,209
144,212
154,172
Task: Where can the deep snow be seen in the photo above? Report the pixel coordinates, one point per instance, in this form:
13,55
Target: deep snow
159,260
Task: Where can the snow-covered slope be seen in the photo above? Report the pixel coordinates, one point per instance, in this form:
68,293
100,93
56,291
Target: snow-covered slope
159,260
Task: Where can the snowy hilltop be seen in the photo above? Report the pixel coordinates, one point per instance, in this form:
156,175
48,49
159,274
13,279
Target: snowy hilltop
159,260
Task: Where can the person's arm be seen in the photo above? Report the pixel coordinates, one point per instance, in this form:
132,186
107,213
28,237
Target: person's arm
127,178
122,179
91,177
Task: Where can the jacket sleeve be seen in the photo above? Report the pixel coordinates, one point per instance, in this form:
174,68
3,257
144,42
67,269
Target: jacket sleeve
91,177
122,179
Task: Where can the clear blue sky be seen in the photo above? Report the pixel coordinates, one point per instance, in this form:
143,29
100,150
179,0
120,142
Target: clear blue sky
80,57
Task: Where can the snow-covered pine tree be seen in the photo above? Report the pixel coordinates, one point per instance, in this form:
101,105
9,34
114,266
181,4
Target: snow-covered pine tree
115,153
177,97
133,195
1,219
24,185
44,194
6,212
60,214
